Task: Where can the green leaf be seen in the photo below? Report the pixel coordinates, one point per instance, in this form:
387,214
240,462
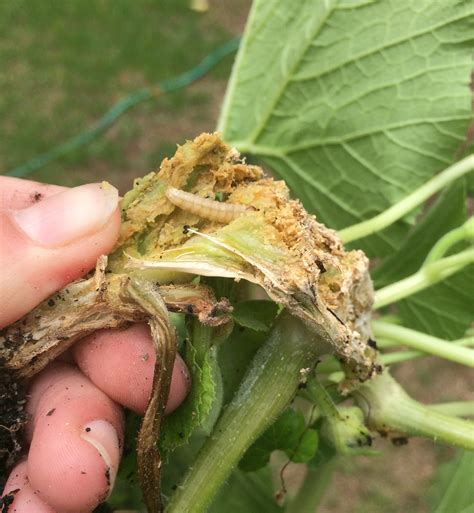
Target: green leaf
201,360
257,456
306,448
455,483
247,492
235,355
126,493
325,453
364,101
255,314
444,310
178,462
288,433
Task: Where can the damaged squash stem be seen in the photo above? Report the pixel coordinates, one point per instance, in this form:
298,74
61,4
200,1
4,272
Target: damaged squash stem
164,342
207,213
272,379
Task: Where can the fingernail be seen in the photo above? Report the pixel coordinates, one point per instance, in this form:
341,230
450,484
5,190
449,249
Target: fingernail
103,436
68,216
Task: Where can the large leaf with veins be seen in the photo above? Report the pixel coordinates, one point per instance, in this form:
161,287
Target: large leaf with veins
354,104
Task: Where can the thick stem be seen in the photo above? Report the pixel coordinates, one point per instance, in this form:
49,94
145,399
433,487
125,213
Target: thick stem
388,408
409,203
428,275
424,342
271,382
315,484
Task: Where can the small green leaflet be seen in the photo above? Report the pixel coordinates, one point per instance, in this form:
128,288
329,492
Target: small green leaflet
364,101
289,433
455,480
201,361
306,447
255,314
446,309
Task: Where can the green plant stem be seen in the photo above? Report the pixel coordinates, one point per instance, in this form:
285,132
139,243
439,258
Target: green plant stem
312,490
386,343
428,275
388,408
403,356
383,343
455,408
270,384
320,396
409,203
332,365
464,232
423,342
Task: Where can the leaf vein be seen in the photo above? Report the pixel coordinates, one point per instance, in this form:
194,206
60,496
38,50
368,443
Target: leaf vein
365,133
362,55
268,113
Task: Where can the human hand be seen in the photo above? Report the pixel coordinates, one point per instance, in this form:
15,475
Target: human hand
50,236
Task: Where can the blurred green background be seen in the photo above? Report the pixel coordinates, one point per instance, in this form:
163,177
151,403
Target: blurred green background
63,63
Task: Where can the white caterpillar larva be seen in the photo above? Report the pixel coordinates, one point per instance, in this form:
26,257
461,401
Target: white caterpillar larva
203,207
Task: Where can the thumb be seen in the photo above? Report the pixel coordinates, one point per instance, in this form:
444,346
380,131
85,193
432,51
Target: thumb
47,245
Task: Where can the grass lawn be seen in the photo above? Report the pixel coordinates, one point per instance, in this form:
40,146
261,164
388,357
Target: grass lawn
64,63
